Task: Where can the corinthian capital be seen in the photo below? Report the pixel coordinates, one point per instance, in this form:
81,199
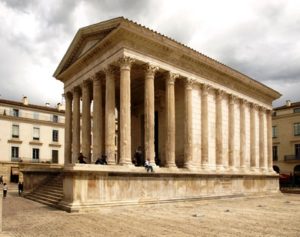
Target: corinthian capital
205,89
171,77
220,93
189,83
125,62
150,69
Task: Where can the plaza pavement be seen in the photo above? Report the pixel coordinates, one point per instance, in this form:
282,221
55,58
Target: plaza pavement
276,215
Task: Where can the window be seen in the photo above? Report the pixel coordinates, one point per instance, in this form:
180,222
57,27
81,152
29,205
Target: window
297,151
35,115
35,153
55,118
15,131
297,110
297,129
36,134
14,152
274,131
15,113
275,153
55,135
55,156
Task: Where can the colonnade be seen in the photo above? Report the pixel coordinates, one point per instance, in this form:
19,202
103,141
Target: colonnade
103,120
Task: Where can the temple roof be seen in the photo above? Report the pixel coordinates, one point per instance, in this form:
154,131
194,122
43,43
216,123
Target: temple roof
88,38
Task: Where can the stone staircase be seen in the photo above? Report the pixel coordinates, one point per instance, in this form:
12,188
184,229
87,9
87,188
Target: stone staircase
49,193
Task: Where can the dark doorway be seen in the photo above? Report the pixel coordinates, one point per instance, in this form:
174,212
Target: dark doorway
14,175
157,159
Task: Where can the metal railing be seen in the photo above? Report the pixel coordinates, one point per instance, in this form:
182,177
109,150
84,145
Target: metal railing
291,157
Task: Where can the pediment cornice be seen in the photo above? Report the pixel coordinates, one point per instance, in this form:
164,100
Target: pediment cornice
136,37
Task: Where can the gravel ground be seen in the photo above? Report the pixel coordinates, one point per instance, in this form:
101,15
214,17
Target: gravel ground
276,215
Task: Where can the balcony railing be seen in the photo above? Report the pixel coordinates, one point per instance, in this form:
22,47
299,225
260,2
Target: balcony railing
291,157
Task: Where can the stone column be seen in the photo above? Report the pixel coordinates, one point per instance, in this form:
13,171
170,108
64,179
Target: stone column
204,125
219,130
125,111
110,124
149,113
262,166
170,120
97,118
243,134
252,137
188,125
231,133
76,125
269,141
68,128
86,121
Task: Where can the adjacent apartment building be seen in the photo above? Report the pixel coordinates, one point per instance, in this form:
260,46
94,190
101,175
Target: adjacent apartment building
29,134
286,137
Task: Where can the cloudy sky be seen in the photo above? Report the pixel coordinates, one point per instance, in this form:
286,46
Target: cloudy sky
259,38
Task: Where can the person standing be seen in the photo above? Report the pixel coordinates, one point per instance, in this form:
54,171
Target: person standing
20,188
1,179
4,190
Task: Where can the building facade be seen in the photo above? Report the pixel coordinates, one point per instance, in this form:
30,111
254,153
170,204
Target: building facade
286,137
205,127
29,134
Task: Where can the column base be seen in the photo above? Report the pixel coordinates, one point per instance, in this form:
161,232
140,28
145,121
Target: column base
254,170
127,164
220,168
190,167
233,169
170,166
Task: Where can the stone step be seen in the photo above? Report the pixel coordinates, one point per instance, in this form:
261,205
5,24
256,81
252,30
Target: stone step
45,202
47,198
50,191
47,195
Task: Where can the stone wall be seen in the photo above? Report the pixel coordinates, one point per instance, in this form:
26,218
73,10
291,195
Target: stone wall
85,189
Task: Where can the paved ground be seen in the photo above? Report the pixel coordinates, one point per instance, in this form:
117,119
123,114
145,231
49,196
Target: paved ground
277,215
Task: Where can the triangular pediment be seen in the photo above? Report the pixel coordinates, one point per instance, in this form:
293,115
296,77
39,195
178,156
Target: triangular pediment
85,40
87,43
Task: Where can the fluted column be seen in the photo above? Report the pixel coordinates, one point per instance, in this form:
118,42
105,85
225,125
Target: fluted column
170,120
110,125
204,126
262,164
86,121
125,111
97,118
149,112
219,130
231,133
76,125
243,134
253,137
188,125
68,129
269,141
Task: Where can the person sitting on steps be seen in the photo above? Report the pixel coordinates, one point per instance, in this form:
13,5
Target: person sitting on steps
81,159
148,166
101,161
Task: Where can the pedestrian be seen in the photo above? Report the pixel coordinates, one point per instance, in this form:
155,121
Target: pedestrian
1,179
148,166
4,190
20,188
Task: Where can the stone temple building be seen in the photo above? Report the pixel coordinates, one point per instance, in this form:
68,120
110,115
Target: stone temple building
206,128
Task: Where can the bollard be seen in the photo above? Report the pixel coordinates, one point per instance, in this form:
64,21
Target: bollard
1,205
